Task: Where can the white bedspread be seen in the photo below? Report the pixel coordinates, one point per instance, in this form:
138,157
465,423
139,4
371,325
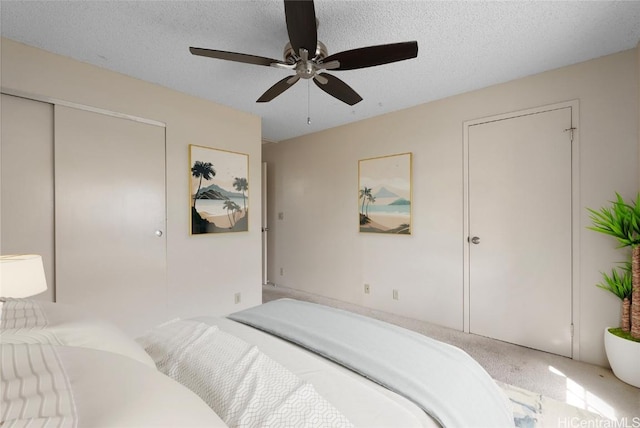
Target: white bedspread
364,403
445,381
241,384
35,388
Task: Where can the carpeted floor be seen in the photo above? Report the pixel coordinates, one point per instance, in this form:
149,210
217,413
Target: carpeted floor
582,385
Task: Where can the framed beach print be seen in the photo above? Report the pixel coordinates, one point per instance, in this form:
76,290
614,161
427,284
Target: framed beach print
384,194
218,190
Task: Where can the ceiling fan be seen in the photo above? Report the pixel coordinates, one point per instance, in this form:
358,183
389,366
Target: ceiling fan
308,57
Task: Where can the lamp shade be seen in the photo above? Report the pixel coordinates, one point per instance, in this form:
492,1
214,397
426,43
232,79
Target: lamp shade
21,275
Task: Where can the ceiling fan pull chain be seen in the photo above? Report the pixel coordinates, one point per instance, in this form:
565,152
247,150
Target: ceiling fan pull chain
308,102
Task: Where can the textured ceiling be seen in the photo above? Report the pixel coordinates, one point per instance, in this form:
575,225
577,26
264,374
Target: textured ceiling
462,46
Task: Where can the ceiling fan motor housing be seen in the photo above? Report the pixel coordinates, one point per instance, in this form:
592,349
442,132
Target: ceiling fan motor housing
291,56
305,67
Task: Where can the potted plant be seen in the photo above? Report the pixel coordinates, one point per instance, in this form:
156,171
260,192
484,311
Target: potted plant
619,283
622,221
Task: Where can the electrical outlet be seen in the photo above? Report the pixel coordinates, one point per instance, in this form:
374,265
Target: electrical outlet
237,297
367,289
281,271
395,294
280,216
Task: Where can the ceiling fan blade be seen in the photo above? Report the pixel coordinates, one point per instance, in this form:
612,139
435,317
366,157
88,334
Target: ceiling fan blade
233,56
301,25
374,55
278,88
337,88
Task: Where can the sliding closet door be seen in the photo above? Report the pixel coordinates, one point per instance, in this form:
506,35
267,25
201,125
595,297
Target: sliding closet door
110,217
26,194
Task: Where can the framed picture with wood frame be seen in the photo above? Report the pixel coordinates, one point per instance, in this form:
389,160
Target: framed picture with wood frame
218,190
384,194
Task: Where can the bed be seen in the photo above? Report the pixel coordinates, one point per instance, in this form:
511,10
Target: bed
272,365
62,368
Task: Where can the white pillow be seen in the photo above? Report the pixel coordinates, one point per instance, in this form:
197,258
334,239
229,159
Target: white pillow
60,324
108,390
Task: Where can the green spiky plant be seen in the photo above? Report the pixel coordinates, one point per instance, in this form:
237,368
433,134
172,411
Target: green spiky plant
619,283
622,221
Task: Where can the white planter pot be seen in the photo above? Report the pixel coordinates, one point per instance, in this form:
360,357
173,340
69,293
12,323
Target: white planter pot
624,358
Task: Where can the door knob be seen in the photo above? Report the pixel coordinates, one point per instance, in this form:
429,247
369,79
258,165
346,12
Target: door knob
158,233
474,240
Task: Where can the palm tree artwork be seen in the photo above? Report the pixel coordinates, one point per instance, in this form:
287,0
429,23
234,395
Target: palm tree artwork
228,205
384,194
241,185
221,200
365,194
370,200
201,170
232,208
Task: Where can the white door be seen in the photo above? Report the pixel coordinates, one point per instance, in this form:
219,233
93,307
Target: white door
520,263
110,217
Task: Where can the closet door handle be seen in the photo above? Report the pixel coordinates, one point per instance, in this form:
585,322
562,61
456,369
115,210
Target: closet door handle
474,240
158,233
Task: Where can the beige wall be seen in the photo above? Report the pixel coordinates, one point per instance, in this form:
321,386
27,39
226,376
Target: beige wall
26,142
312,180
204,272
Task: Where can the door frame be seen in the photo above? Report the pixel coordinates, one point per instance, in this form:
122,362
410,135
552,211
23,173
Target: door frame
575,211
78,106
265,226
